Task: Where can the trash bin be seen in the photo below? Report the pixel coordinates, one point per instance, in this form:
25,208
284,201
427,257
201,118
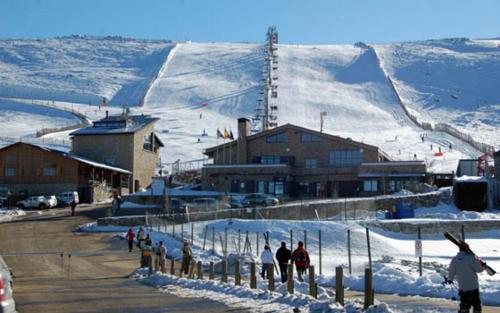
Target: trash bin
404,210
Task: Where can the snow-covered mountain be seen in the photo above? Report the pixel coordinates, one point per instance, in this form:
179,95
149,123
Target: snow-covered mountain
198,88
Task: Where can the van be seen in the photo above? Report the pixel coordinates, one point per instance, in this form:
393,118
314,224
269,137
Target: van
65,198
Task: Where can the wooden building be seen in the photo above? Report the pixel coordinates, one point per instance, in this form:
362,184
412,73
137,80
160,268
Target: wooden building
27,169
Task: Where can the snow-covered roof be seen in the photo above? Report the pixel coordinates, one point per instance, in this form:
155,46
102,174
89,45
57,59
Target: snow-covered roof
471,179
117,125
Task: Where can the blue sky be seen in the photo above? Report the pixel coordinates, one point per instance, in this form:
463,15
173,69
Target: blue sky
305,22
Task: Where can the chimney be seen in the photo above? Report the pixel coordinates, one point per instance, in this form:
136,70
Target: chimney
243,128
107,114
243,133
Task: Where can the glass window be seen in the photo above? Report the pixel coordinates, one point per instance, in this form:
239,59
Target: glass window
282,137
306,137
270,159
346,158
271,187
260,186
279,188
49,171
311,163
10,171
370,185
147,145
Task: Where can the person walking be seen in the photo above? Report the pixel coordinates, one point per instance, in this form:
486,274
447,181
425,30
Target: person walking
147,258
186,258
301,259
72,204
465,266
141,235
130,237
148,241
161,254
267,261
283,255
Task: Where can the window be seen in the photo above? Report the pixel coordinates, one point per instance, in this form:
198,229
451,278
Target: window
260,186
370,185
283,137
270,159
279,188
49,171
10,171
306,137
147,145
346,158
311,163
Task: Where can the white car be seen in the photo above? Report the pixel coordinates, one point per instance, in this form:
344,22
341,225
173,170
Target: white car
7,304
65,198
40,202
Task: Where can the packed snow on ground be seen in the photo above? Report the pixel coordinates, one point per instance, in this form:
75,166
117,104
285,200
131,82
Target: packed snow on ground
255,300
445,211
395,266
8,215
22,119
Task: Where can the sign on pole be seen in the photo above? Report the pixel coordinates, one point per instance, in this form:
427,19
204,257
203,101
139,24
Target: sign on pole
418,248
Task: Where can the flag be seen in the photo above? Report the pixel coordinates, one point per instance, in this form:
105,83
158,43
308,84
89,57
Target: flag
219,134
226,134
231,135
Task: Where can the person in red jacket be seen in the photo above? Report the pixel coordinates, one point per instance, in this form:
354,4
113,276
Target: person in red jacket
301,259
130,237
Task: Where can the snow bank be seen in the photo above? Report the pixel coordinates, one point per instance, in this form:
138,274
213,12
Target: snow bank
8,215
255,300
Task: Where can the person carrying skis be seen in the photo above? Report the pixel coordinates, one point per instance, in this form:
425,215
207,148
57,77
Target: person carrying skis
186,258
267,261
147,258
283,255
130,237
465,267
141,235
301,259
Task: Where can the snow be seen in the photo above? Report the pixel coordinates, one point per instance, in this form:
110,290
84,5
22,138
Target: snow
6,215
472,179
14,116
346,81
395,266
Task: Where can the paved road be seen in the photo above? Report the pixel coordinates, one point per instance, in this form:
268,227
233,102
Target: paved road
95,283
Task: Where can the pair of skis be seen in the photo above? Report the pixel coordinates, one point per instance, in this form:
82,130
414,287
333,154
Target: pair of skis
461,244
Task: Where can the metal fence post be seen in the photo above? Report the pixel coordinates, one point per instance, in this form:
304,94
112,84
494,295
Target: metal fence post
349,250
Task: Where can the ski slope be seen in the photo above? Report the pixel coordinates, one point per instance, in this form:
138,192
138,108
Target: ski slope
451,80
197,88
80,69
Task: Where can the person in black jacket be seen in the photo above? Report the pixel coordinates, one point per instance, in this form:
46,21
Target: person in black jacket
283,255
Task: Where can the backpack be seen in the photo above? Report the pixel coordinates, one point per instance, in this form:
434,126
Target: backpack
302,257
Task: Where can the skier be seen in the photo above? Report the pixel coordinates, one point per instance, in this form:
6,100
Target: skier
130,237
186,258
267,261
431,146
450,146
301,259
161,254
283,255
141,235
465,267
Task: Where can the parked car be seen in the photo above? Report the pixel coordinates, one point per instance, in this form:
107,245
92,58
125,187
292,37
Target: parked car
4,196
263,199
238,202
209,204
7,304
41,202
178,205
65,198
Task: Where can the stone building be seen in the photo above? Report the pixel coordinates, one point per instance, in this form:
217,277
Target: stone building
128,142
27,169
296,162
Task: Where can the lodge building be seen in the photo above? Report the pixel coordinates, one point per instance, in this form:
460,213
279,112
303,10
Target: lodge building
296,162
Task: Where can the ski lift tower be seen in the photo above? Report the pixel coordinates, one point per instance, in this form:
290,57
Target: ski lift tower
266,111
